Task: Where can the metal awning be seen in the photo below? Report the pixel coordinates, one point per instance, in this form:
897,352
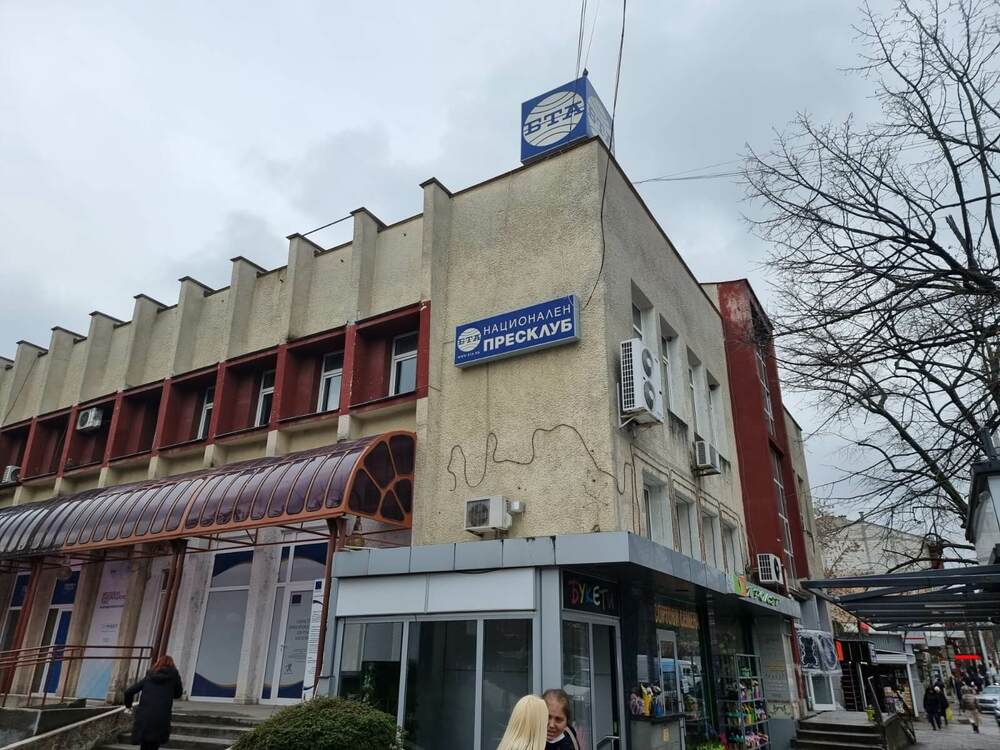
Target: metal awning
954,598
371,477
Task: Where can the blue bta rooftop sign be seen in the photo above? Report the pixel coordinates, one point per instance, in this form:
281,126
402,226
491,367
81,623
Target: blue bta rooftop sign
517,332
561,116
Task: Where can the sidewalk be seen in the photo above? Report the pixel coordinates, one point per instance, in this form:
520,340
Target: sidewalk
958,736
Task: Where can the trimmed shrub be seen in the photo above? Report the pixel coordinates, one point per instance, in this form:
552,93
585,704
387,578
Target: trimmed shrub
324,724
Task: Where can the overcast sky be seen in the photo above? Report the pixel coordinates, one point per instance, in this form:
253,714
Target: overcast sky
140,142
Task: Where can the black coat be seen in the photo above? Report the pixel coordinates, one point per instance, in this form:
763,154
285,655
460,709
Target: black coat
935,702
568,741
152,716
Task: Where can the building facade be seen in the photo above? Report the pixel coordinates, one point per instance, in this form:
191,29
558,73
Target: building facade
270,481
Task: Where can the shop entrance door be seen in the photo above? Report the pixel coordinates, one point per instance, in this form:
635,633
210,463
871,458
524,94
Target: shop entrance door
820,689
592,678
289,645
55,633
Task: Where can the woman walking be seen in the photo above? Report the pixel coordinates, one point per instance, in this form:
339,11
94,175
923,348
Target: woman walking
527,725
969,703
934,705
157,691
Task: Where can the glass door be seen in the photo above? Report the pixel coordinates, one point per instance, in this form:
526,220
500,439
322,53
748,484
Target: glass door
55,633
286,661
591,678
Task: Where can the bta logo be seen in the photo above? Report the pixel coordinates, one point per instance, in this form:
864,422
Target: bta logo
469,339
553,118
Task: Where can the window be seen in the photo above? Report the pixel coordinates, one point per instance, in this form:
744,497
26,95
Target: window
636,321
329,382
712,407
709,525
779,488
693,394
265,398
688,532
762,376
205,420
657,507
730,545
403,372
665,365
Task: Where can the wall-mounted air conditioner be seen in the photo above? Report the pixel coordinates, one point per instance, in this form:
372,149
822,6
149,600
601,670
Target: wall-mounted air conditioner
769,570
89,420
641,391
706,458
11,474
483,514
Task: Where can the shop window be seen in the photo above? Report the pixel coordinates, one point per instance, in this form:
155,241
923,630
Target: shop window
331,375
589,665
87,447
46,452
12,443
441,684
136,422
657,506
507,650
370,664
687,529
222,632
403,373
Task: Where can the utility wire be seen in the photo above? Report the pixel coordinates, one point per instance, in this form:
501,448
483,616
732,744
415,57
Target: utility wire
580,36
313,231
593,28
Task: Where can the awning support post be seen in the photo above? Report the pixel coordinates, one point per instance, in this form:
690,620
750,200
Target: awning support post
163,627
336,527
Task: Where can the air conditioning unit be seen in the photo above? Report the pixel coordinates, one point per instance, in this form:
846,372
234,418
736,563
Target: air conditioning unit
769,569
706,458
89,420
641,391
11,474
484,514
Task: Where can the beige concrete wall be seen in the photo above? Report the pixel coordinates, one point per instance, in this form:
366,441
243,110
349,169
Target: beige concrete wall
159,352
262,329
396,274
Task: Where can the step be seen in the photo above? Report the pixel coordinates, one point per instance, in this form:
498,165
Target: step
177,742
810,744
226,719
200,729
808,733
841,729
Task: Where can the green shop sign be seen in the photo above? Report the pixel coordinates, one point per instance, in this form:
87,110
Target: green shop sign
749,590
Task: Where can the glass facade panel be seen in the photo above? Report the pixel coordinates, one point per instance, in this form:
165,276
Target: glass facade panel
441,685
506,673
309,562
221,644
279,598
370,664
231,569
577,680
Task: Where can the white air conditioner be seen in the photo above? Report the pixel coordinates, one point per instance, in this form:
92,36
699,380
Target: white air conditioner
706,458
11,474
769,569
484,514
89,419
641,391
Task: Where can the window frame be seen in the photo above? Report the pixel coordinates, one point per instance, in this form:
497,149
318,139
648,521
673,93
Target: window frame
637,315
730,550
326,375
205,413
786,529
262,392
693,538
396,359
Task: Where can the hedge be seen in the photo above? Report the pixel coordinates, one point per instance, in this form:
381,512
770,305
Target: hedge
324,724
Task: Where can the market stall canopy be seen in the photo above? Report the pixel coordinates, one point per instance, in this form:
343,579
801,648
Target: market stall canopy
370,477
953,598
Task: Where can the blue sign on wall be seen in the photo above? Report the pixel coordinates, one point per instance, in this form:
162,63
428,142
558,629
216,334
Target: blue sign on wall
561,116
517,332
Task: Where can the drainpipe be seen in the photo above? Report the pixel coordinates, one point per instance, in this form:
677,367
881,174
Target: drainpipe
336,527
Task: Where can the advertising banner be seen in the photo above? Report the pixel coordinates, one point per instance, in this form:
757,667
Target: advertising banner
517,332
95,674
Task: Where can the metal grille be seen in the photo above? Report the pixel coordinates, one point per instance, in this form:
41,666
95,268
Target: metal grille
628,378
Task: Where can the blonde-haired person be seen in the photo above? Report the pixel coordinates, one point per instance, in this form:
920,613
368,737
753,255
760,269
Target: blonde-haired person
527,725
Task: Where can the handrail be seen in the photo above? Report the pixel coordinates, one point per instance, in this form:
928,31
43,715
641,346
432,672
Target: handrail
37,656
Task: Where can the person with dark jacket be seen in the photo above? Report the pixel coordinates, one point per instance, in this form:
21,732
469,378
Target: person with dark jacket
157,691
934,705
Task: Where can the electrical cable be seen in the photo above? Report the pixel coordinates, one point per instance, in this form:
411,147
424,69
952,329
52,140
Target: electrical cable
579,37
611,147
313,231
593,28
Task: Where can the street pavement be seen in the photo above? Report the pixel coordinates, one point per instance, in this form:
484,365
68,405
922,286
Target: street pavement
958,736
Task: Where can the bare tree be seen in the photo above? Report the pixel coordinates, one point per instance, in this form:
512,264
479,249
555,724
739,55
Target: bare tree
886,252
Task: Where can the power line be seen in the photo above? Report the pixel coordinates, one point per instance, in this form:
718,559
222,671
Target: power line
313,231
580,36
593,28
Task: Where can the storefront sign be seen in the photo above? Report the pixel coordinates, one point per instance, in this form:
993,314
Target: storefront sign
585,594
559,117
748,590
517,332
671,617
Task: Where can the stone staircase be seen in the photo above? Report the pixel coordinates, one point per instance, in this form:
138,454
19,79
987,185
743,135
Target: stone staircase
196,731
819,735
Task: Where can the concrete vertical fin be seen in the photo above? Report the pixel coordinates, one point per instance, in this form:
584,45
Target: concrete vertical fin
27,363
143,319
190,303
298,285
98,343
363,249
434,269
60,351
239,303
